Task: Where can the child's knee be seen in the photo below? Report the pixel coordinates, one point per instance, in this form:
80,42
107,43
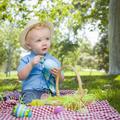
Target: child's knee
28,96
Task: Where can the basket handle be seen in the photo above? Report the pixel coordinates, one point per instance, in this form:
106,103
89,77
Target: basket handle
80,89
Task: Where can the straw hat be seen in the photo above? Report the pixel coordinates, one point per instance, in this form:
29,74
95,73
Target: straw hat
28,27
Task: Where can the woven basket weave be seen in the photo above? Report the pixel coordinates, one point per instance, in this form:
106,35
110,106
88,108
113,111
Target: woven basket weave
73,101
70,101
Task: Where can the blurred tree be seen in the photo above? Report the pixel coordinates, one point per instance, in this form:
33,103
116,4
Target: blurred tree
17,13
11,19
101,51
3,7
100,13
2,49
86,59
99,16
67,16
63,49
9,47
114,37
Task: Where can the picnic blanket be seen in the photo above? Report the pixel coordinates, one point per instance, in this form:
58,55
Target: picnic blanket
101,110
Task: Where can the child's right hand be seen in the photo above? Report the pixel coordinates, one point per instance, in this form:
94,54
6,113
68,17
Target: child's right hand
36,59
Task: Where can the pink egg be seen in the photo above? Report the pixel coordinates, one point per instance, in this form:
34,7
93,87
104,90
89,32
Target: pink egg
58,109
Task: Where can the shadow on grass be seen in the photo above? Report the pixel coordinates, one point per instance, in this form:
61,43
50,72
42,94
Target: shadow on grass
91,82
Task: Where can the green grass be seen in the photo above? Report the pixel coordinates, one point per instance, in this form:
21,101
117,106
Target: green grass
85,73
12,76
105,87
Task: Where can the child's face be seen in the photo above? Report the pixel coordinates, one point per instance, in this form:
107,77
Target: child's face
39,40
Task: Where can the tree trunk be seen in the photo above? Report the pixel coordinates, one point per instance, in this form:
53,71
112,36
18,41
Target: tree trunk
114,37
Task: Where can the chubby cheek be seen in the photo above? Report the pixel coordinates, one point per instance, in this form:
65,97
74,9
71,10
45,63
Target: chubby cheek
49,45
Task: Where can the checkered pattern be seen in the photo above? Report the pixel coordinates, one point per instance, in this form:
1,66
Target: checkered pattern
100,110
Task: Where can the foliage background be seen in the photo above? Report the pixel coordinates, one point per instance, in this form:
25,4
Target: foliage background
68,17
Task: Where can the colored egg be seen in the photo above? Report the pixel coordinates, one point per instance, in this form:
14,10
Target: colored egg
58,109
21,110
49,64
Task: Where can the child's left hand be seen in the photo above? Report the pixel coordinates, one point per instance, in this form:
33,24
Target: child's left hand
55,71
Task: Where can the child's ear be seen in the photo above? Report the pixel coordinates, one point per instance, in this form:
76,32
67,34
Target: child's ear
28,45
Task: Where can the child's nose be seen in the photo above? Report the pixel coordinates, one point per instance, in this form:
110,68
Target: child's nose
44,42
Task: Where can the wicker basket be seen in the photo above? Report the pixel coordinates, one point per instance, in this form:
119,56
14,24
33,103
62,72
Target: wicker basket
80,88
71,101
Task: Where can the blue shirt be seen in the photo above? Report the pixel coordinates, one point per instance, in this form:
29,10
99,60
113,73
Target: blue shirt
36,80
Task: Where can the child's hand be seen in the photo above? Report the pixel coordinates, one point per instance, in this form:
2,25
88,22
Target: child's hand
55,71
36,59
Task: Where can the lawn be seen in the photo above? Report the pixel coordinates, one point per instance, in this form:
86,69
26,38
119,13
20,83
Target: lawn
105,87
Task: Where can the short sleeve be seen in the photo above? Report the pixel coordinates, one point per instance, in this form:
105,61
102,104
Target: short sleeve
22,63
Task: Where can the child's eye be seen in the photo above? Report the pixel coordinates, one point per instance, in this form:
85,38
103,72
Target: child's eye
47,38
39,40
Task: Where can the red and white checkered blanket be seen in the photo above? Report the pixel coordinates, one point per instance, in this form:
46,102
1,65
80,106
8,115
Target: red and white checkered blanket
101,110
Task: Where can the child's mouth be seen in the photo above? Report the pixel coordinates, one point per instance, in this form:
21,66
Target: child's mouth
44,49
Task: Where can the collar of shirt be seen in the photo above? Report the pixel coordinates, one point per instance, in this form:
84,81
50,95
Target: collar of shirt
34,54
